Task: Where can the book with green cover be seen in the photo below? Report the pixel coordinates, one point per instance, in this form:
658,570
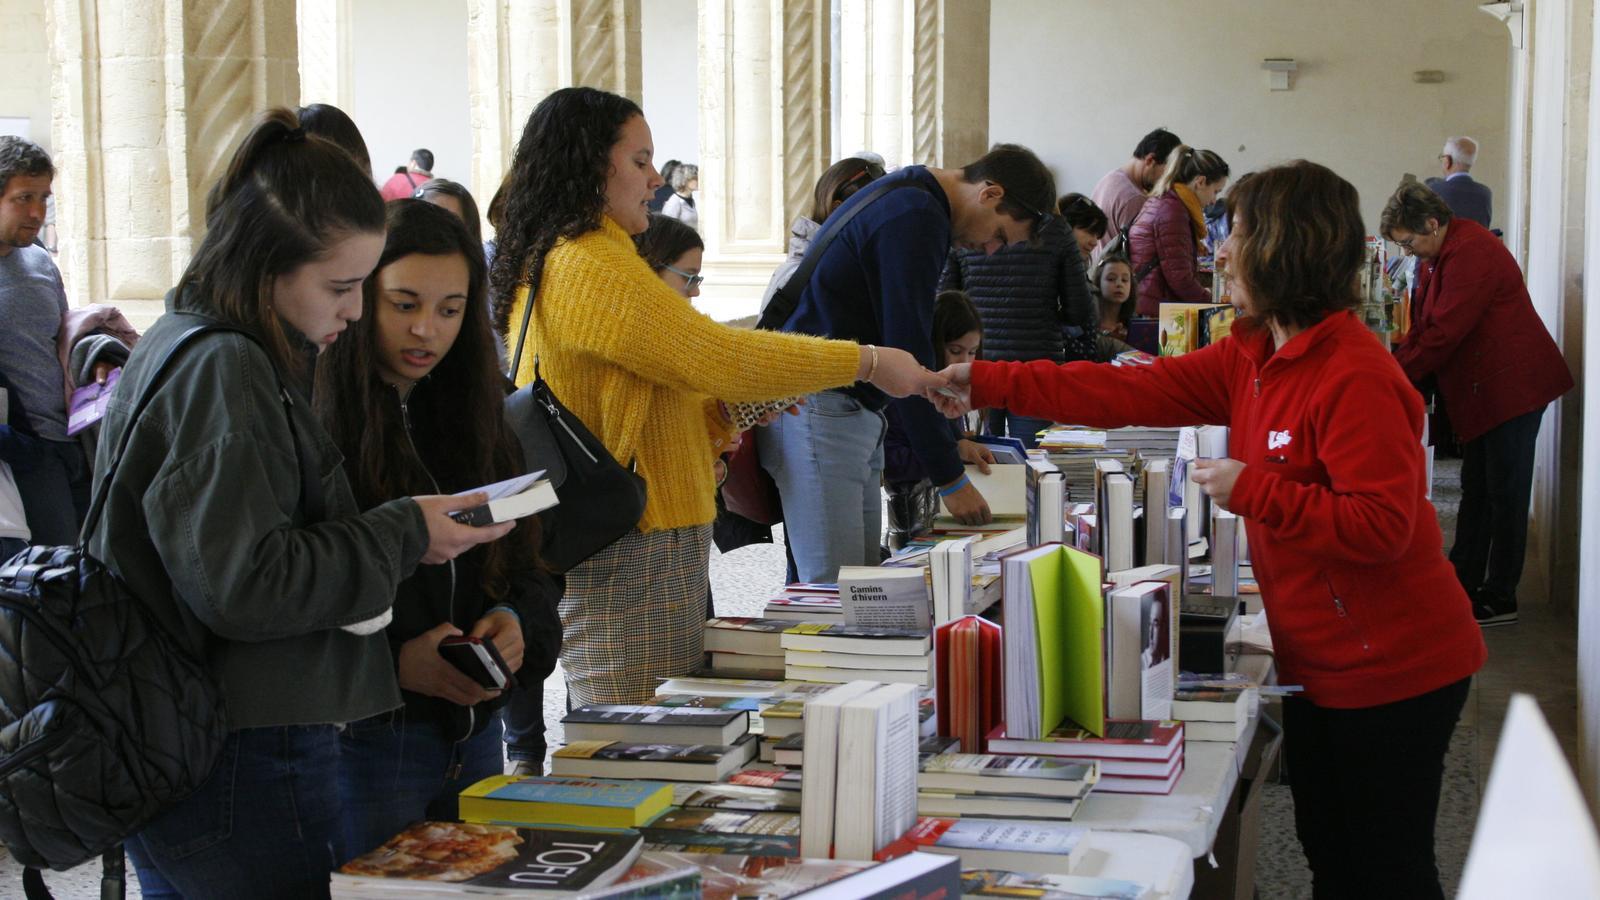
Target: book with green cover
1069,618
589,802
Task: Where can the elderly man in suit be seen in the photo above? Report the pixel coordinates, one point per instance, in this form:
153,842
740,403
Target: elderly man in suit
1466,198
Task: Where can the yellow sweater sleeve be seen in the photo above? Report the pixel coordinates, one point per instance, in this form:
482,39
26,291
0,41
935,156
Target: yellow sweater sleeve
608,303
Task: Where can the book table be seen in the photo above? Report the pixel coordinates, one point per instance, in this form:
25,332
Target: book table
1212,811
1160,862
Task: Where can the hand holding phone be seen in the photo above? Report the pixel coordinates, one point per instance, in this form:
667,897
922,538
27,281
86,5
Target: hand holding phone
478,659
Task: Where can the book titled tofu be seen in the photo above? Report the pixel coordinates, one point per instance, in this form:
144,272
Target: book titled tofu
511,499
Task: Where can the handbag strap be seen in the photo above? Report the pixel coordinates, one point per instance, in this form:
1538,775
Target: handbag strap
522,337
787,298
311,498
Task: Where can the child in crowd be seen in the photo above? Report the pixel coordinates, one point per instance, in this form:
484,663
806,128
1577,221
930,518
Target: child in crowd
913,499
414,400
1115,293
281,588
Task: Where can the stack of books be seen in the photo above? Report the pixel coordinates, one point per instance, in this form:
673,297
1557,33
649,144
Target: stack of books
1023,846
987,784
842,653
1134,757
859,780
740,644
1213,713
805,603
665,762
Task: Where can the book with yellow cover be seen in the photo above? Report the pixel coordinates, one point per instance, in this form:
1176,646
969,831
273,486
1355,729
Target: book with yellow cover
1180,327
589,802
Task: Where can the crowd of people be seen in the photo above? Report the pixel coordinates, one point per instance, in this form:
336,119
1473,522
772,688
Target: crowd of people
284,502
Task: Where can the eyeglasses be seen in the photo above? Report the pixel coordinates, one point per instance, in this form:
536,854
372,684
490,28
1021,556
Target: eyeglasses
1406,244
1040,218
690,281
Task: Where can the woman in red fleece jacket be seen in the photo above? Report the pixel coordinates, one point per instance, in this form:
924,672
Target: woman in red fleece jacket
1326,468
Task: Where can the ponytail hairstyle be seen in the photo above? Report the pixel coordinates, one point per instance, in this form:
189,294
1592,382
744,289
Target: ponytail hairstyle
954,316
556,187
286,198
328,121
1186,164
464,398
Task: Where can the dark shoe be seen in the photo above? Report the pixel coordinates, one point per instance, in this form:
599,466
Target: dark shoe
1491,610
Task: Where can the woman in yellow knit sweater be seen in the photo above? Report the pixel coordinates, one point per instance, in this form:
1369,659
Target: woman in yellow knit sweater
635,361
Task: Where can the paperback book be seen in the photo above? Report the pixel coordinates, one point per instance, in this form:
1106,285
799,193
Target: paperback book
702,830
656,724
1026,846
586,802
668,762
460,858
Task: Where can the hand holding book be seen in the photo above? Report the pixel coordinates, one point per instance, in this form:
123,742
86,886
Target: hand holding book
1217,477
954,397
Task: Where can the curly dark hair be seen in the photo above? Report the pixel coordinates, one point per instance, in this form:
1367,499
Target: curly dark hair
556,186
465,397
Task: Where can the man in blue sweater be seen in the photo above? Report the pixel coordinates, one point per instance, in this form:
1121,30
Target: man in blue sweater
875,284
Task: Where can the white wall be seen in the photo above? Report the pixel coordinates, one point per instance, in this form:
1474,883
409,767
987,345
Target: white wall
408,84
25,89
669,49
1080,81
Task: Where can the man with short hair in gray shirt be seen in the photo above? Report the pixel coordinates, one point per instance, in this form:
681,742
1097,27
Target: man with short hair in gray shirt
54,478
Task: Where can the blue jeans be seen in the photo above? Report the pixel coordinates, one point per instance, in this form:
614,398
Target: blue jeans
828,464
393,772
263,824
1004,422
523,716
10,547
54,485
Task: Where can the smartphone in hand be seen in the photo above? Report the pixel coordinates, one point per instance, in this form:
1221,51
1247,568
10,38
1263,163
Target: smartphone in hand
477,659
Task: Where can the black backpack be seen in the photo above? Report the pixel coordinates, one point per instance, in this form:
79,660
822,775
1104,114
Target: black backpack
105,718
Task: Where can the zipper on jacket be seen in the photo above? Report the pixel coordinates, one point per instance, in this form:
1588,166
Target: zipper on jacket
405,425
1338,606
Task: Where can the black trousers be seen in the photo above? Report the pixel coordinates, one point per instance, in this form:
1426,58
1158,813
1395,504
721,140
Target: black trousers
1492,525
1366,792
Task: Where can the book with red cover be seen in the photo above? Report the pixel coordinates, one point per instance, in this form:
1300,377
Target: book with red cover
1125,739
970,674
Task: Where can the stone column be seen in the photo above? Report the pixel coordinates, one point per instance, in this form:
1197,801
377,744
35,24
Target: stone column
149,101
521,50
324,39
764,137
915,80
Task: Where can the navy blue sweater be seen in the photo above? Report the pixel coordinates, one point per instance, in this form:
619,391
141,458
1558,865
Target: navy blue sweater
876,284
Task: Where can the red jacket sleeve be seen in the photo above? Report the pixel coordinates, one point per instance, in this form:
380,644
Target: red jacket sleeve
1465,290
1175,247
1191,389
1368,432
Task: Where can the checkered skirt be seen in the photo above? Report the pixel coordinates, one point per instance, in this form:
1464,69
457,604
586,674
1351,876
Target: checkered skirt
635,612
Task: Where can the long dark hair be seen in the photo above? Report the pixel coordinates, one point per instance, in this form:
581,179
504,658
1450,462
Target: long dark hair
285,199
665,240
328,121
464,398
556,187
469,207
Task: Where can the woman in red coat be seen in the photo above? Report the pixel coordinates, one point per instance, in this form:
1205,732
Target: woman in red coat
1476,337
1165,240
1326,468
